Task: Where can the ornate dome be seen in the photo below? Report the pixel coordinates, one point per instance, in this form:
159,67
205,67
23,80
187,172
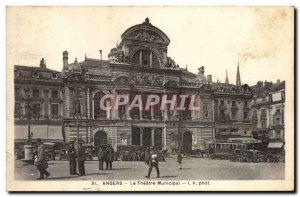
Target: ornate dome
146,32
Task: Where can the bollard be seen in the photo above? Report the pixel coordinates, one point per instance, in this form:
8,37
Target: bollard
28,151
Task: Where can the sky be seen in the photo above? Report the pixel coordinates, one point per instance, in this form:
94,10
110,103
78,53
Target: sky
260,39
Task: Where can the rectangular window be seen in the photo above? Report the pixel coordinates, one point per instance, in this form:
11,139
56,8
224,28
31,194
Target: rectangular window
205,111
245,115
277,121
36,93
54,93
233,114
36,109
245,103
18,110
233,103
54,110
18,92
77,108
222,102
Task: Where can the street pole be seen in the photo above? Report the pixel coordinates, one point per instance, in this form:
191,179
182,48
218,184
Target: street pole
77,107
29,133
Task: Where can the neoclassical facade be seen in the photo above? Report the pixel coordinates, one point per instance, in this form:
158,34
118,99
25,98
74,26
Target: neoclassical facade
68,101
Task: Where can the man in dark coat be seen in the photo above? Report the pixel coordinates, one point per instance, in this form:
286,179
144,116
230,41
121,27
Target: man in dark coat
109,157
41,161
101,157
80,159
179,158
153,163
147,155
72,158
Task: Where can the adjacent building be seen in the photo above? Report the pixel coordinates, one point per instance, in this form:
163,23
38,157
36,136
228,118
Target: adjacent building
267,109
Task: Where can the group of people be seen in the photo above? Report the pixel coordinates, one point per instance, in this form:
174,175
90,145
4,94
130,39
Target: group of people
106,155
77,157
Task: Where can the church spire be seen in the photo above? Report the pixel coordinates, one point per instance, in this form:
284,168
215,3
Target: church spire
238,77
226,79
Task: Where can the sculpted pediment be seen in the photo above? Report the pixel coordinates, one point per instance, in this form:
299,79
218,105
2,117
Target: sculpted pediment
145,35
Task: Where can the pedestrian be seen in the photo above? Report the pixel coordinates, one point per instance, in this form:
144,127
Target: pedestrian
41,161
179,159
153,163
101,157
147,155
80,159
72,158
109,157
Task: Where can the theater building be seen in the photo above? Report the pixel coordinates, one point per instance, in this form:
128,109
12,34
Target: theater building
68,101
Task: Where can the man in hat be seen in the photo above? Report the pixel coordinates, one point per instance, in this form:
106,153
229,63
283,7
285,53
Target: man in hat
41,160
147,155
80,159
179,158
153,163
72,158
101,157
109,157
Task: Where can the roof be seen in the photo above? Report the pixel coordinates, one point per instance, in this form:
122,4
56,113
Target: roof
275,145
37,68
264,88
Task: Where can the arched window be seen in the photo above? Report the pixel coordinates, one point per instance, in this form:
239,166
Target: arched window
98,112
145,57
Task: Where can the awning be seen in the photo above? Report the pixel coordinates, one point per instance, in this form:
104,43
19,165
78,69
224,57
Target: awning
275,145
243,140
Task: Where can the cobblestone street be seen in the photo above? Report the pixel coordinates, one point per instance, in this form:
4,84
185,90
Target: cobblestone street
193,169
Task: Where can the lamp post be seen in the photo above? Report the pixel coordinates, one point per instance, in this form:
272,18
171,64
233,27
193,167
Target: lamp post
77,111
31,111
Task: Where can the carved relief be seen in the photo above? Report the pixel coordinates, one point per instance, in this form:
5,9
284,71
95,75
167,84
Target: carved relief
171,63
147,80
145,35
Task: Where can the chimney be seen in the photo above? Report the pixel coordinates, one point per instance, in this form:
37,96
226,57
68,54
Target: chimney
100,54
278,81
42,63
209,78
65,60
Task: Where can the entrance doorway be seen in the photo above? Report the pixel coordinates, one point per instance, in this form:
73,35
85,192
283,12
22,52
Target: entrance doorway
135,136
147,137
187,141
100,138
158,138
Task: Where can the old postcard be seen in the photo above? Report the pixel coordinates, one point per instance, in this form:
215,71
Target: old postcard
150,99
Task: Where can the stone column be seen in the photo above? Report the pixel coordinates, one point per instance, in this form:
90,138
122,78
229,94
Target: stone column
108,112
164,138
67,102
152,137
141,111
141,136
47,109
115,112
128,117
141,58
91,136
152,112
150,58
88,103
84,102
